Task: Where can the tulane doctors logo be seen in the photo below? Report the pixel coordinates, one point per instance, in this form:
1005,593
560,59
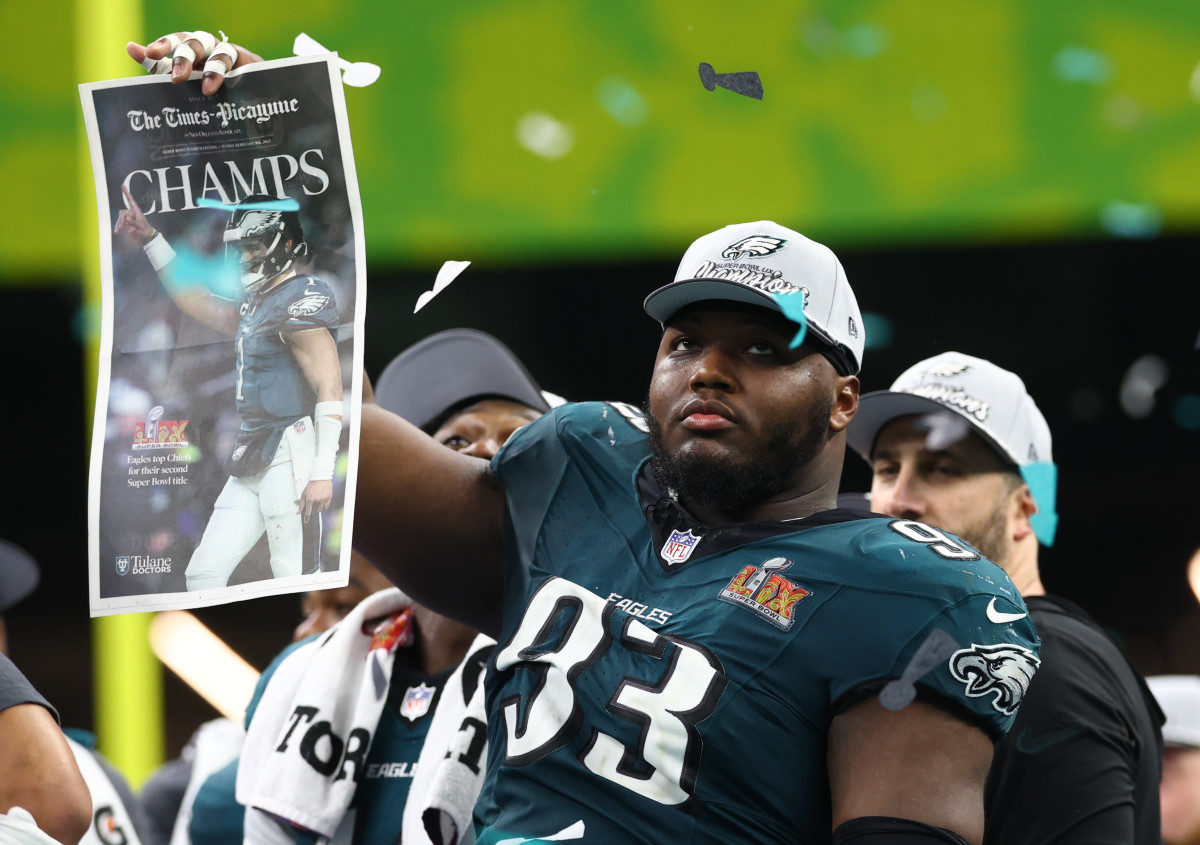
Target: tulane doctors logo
755,246
123,565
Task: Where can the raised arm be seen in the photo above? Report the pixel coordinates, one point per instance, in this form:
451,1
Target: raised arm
431,519
192,297
921,763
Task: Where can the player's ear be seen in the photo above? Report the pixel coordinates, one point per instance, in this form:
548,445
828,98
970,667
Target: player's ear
845,402
1021,507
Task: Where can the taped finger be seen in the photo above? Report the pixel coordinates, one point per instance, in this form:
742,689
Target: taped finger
185,52
162,65
206,40
214,63
157,65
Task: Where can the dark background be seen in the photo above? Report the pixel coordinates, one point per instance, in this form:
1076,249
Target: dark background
1070,318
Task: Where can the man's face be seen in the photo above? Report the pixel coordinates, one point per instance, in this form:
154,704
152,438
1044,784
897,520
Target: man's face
322,609
481,429
1180,796
962,486
736,416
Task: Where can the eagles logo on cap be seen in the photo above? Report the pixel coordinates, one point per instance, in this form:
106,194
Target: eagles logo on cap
754,246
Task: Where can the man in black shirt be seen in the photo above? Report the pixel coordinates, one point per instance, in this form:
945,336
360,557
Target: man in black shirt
958,443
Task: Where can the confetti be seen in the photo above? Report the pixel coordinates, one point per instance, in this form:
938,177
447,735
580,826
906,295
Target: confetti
938,646
745,83
447,274
792,306
354,74
284,204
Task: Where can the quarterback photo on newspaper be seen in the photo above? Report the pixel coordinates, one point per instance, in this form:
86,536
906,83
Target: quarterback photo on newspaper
232,263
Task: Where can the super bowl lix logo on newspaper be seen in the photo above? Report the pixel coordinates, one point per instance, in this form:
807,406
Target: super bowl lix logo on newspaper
230,365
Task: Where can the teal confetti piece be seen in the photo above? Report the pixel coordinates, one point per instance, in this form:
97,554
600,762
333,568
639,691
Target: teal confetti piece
1042,479
192,270
285,204
792,306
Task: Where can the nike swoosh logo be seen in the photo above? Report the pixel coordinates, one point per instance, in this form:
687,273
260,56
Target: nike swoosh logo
999,616
1027,744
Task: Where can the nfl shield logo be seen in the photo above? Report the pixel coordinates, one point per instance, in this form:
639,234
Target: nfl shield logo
678,547
122,564
416,702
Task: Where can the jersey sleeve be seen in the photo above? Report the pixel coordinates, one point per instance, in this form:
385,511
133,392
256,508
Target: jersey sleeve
983,666
930,616
312,305
529,466
15,689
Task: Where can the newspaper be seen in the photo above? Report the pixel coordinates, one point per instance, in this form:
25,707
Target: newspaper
233,299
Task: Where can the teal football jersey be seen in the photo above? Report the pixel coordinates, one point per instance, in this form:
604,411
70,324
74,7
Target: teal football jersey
658,680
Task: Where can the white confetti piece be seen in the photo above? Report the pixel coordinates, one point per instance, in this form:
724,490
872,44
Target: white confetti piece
449,272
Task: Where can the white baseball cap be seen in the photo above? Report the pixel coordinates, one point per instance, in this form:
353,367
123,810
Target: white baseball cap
758,263
993,400
1179,698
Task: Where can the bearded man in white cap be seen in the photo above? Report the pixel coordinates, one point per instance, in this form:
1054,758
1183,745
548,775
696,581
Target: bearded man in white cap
958,443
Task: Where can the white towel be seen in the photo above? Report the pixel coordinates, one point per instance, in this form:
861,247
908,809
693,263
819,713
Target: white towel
453,759
325,696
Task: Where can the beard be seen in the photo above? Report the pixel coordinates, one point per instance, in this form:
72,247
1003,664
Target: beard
990,536
730,484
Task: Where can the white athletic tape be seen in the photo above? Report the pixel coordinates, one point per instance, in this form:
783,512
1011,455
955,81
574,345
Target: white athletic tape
215,65
183,51
207,40
162,65
157,65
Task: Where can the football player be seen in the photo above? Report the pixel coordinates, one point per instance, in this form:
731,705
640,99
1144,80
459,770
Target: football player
691,638
288,389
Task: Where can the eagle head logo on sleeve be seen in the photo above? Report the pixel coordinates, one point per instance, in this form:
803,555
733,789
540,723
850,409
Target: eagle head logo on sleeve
1003,670
308,304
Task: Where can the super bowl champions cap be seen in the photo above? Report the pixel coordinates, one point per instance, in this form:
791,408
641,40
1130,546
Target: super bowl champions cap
449,369
993,400
758,263
1179,698
19,574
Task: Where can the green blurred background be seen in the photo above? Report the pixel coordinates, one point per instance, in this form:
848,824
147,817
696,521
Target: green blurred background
1018,180
896,121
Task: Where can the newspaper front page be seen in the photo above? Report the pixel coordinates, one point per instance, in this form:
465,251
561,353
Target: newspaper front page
231,344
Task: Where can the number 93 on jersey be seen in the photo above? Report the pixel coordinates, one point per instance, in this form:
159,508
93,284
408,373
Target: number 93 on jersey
629,698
